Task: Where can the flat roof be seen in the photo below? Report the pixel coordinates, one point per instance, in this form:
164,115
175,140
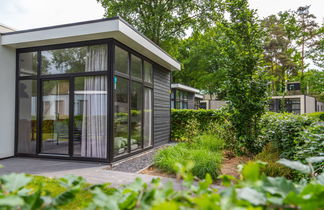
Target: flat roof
115,27
185,88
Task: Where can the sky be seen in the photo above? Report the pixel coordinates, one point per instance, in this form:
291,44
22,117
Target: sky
26,14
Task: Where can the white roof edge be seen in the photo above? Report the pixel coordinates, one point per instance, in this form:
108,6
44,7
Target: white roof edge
91,30
199,96
185,87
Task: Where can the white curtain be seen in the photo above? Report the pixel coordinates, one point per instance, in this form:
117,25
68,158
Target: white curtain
147,117
94,122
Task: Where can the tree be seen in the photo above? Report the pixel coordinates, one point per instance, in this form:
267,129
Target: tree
280,55
314,83
164,21
245,86
203,62
307,36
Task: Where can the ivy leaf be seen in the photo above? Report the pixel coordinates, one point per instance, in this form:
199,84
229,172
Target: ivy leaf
317,159
251,195
295,165
13,182
11,200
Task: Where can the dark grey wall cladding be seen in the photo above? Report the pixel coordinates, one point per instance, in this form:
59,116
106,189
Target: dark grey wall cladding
161,107
191,100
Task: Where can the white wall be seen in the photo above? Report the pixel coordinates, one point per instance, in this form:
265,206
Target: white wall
310,104
7,100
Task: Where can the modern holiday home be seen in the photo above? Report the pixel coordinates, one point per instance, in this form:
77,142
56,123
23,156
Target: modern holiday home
96,90
185,97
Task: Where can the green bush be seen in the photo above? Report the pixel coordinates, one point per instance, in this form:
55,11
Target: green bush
204,151
318,116
310,143
270,154
187,121
281,128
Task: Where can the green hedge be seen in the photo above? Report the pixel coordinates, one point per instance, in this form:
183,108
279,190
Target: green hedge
282,129
318,116
186,123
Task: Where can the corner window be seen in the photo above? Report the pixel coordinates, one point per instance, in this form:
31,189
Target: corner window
136,67
121,60
148,72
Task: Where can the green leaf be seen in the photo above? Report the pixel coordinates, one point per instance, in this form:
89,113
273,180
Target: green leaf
13,182
11,200
226,179
65,197
278,185
320,178
317,159
295,165
251,171
251,195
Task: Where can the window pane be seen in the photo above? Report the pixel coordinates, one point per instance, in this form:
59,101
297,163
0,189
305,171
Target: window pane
136,118
90,117
55,120
121,60
136,67
28,64
75,60
148,72
27,116
147,128
121,109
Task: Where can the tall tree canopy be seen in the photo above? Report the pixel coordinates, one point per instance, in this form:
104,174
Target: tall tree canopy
164,21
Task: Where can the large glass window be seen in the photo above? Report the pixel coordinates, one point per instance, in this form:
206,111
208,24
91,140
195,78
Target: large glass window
179,100
90,117
136,115
136,67
148,117
27,122
121,109
121,60
75,60
28,64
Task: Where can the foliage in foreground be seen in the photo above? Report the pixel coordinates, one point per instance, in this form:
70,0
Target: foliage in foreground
203,150
253,190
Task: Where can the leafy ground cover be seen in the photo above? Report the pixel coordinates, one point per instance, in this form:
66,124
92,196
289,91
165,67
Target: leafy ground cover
252,191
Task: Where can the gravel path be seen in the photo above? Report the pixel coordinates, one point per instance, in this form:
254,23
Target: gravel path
135,163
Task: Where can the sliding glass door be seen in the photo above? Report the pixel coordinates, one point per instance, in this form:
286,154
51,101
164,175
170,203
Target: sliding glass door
55,129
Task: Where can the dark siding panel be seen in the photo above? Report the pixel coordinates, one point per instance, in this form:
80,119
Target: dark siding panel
161,107
191,100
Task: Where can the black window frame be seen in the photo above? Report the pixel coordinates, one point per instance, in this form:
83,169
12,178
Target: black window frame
110,73
182,99
144,84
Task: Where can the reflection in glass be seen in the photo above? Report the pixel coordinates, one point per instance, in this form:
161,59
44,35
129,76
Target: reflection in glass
136,67
28,64
74,60
148,72
121,60
136,115
121,109
27,116
147,128
90,117
55,119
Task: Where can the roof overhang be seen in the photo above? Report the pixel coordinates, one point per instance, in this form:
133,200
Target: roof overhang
115,28
185,88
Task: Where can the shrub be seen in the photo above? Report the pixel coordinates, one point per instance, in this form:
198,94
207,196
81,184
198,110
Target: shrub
318,116
310,143
270,154
185,121
281,128
203,150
